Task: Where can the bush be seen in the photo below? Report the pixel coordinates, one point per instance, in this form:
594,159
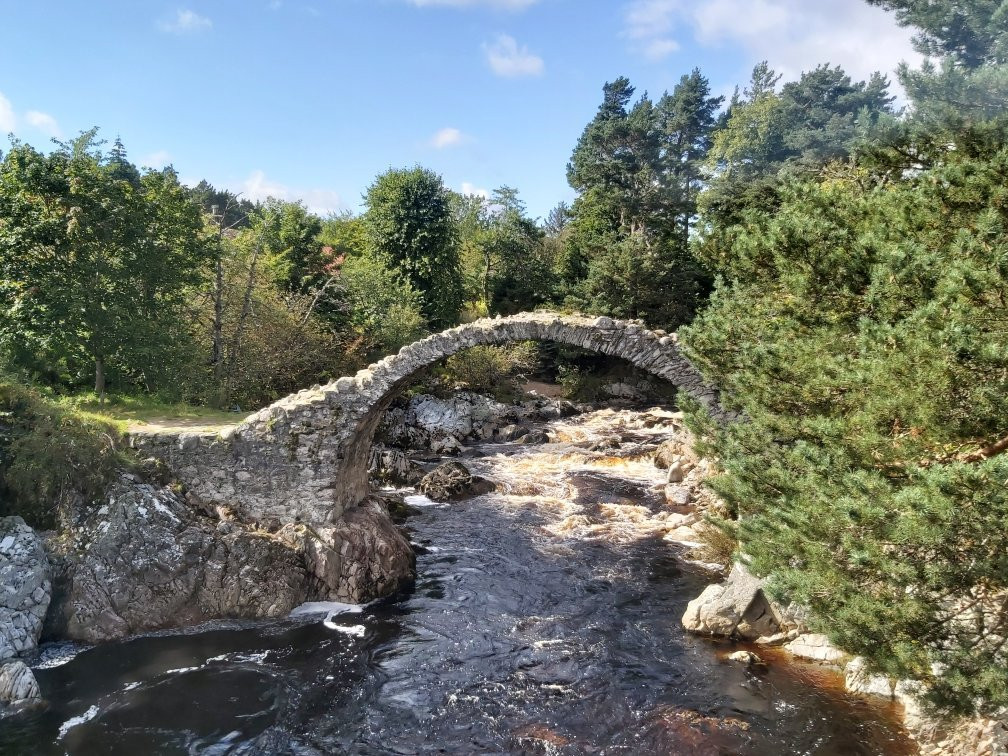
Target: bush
381,306
493,370
49,456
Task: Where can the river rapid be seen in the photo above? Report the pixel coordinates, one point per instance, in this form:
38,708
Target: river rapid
545,619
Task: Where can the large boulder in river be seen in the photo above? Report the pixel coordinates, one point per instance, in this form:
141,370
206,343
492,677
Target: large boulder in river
537,436
18,683
146,560
738,608
667,452
24,587
452,481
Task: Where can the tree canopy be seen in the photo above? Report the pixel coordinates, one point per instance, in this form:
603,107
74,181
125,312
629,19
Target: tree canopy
95,260
410,226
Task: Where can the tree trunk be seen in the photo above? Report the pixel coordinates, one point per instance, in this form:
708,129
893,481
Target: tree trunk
99,382
486,280
240,326
218,321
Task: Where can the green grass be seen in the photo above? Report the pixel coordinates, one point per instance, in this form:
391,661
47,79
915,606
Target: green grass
127,411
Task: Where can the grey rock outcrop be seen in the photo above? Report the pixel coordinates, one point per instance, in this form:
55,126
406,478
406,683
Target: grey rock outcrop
393,466
425,420
452,481
18,683
361,557
25,587
146,560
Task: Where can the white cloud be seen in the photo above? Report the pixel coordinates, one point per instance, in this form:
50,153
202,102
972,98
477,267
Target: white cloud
257,187
447,137
472,189
649,25
44,123
8,121
185,22
158,159
510,5
793,35
658,49
506,58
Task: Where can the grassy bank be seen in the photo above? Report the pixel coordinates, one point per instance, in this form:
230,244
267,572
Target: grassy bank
52,455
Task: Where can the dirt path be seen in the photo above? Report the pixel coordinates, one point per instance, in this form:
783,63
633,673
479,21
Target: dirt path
168,424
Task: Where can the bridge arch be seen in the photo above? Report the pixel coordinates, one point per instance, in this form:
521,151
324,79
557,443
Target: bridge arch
305,457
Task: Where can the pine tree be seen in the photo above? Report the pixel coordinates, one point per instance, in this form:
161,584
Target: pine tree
861,323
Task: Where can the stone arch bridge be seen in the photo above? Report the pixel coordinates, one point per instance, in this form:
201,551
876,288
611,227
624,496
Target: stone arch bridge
305,457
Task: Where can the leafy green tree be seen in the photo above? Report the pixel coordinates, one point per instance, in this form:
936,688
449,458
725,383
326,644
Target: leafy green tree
95,262
470,213
861,324
524,276
290,235
227,208
381,307
822,117
505,265
345,234
272,341
410,226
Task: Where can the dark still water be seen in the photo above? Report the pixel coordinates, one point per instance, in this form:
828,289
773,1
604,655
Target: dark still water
544,620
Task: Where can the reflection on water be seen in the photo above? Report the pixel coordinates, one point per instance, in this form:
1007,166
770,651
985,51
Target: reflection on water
544,620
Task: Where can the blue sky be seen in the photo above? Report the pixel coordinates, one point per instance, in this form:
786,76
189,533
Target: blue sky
311,99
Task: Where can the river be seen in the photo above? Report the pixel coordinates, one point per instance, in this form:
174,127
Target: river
544,620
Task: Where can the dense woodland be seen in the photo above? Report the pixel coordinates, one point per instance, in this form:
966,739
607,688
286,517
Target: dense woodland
839,266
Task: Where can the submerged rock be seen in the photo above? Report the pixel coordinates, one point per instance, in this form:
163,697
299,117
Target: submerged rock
535,437
25,587
746,657
18,683
452,481
606,443
816,647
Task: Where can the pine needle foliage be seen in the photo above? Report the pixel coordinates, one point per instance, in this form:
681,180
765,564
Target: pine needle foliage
861,323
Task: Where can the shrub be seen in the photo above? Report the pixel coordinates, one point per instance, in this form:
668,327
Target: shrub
50,456
494,370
